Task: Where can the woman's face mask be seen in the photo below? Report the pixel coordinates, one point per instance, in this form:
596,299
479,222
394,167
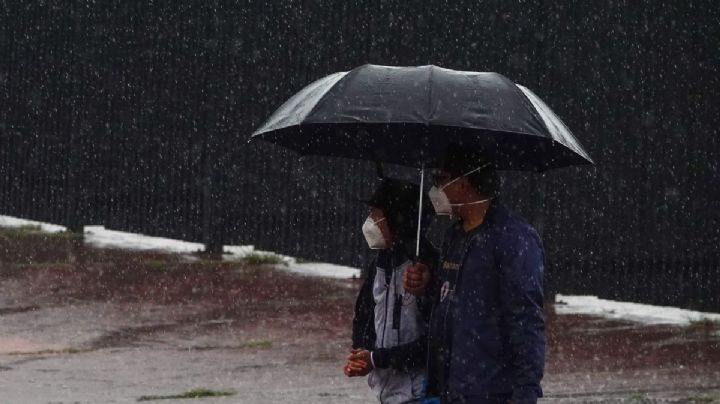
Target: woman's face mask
439,198
373,234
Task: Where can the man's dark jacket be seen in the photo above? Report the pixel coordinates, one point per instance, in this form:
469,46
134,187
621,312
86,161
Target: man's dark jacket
487,328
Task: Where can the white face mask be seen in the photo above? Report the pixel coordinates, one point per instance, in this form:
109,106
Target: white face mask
440,201
373,235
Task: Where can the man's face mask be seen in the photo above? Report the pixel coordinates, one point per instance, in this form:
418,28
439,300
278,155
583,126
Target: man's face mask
440,201
373,235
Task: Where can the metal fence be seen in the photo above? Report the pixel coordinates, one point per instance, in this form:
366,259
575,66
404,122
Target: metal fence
135,115
684,280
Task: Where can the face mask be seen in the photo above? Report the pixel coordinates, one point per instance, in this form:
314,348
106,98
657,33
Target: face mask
440,201
373,235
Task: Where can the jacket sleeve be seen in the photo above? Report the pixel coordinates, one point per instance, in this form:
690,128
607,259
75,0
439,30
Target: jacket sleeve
402,357
363,328
521,301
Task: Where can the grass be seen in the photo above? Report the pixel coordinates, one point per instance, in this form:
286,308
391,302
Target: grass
207,257
24,230
156,265
33,230
639,398
709,328
255,258
256,343
704,399
194,393
66,351
337,395
705,324
300,260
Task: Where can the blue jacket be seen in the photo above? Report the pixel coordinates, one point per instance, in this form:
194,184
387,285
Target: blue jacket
487,328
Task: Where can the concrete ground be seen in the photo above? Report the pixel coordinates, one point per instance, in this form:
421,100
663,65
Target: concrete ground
85,325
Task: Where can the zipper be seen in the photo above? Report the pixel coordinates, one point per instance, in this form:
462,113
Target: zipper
387,293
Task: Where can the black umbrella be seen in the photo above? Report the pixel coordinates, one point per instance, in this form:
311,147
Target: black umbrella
411,115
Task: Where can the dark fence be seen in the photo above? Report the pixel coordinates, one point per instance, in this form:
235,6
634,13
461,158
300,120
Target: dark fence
135,115
684,280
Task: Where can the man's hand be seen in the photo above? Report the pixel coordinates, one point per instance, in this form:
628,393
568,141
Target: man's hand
416,278
358,363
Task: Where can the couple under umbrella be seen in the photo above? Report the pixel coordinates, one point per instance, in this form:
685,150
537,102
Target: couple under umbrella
464,324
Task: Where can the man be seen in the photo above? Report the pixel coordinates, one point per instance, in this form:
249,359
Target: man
486,333
390,326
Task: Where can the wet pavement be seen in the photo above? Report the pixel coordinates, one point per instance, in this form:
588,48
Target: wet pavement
99,352
110,326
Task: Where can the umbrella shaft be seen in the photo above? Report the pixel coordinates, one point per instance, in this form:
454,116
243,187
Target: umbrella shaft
420,212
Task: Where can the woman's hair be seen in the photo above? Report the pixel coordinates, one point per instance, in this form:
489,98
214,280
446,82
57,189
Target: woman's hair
398,199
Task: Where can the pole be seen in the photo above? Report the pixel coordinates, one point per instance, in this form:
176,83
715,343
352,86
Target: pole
420,206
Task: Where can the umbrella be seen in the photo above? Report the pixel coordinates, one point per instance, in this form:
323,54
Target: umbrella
411,115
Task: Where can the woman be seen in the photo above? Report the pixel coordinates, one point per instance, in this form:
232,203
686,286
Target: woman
389,328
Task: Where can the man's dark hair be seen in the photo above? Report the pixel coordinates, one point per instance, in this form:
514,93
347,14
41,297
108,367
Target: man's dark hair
459,161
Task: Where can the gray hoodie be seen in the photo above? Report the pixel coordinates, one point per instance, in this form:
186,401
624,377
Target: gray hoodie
398,321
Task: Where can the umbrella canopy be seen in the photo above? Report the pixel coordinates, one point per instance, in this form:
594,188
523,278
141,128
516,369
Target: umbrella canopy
410,115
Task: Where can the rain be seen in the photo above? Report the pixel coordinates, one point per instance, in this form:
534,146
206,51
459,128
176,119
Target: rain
150,250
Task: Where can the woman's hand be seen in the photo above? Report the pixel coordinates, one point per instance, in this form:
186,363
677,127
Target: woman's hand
358,363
